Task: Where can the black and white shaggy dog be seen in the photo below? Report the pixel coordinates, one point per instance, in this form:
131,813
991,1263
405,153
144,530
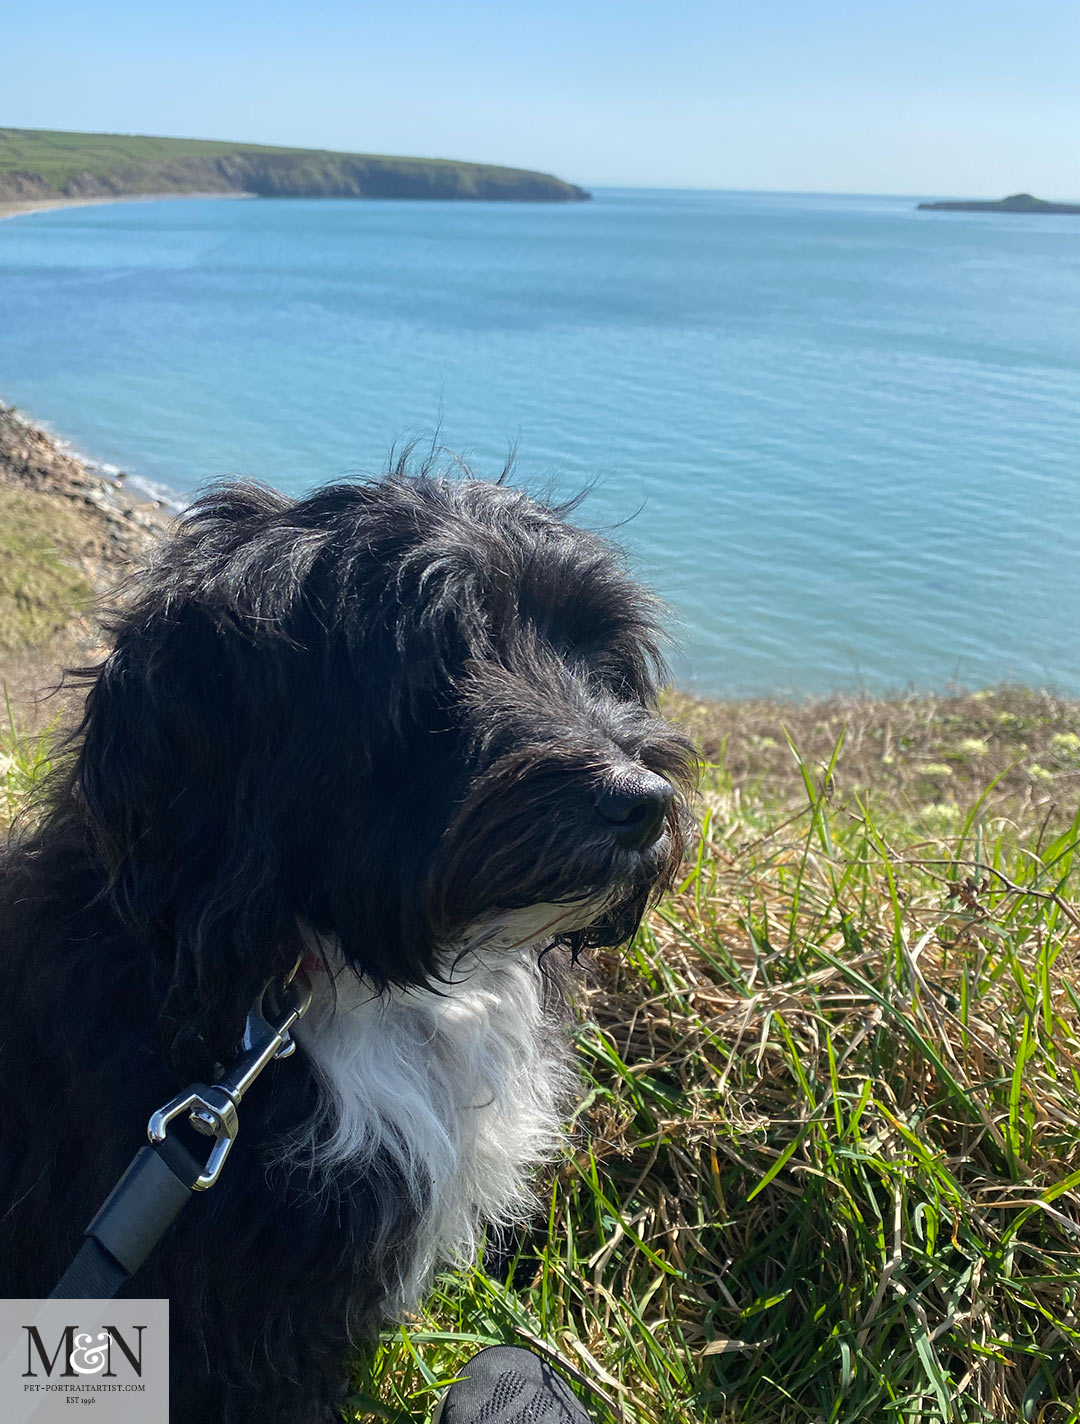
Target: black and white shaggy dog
405,729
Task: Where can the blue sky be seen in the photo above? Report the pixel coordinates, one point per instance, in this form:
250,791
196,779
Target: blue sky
917,96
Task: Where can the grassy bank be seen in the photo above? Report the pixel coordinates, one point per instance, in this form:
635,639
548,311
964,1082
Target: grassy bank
40,583
68,533
827,1162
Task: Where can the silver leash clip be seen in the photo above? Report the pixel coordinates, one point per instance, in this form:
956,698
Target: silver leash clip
211,1110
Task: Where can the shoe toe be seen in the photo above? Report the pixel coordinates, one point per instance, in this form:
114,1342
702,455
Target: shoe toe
508,1385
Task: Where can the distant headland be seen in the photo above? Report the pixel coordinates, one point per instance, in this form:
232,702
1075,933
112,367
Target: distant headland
39,165
1018,203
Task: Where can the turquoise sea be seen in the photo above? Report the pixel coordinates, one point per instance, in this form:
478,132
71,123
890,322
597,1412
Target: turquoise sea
842,437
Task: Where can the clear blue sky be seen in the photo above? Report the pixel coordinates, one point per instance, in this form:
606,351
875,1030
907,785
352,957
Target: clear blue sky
890,96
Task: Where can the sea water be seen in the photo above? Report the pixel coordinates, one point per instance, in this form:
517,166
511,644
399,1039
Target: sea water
840,436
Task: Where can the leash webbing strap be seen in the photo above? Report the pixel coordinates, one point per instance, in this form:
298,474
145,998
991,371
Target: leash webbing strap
132,1220
92,1275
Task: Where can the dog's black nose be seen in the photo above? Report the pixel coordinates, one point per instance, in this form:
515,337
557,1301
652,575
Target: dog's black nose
635,807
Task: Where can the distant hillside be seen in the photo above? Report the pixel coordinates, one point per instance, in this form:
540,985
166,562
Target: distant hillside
42,164
1018,203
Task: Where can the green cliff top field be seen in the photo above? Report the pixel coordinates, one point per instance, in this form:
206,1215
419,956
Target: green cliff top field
59,156
44,161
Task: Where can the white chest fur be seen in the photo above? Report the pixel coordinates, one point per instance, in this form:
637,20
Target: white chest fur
464,1090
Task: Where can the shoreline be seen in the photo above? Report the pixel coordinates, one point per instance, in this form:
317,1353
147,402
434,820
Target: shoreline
36,460
19,207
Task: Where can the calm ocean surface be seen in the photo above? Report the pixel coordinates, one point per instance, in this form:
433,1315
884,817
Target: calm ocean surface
840,436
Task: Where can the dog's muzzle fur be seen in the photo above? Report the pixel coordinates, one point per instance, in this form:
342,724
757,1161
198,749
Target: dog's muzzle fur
408,730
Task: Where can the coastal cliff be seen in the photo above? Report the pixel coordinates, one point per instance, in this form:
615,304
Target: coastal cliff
39,164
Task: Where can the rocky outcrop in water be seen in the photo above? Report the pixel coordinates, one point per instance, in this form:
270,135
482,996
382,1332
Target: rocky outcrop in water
1018,203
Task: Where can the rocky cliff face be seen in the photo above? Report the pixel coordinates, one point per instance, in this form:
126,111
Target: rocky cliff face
301,174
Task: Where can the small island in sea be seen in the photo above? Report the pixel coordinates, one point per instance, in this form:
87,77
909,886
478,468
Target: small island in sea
1018,203
42,165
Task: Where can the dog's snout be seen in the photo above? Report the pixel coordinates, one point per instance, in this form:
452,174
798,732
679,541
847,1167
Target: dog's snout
635,807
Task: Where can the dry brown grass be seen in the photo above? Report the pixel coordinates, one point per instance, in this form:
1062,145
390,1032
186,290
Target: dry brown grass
906,753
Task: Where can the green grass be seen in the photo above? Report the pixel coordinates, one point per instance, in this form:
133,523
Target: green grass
827,1162
25,762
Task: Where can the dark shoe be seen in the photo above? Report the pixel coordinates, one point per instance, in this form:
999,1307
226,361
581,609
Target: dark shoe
507,1385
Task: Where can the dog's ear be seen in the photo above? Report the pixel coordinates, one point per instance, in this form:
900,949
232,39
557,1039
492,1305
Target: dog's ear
176,758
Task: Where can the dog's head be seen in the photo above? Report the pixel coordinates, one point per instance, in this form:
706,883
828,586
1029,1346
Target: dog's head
415,716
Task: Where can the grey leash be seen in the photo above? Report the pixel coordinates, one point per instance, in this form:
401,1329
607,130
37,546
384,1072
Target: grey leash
163,1176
